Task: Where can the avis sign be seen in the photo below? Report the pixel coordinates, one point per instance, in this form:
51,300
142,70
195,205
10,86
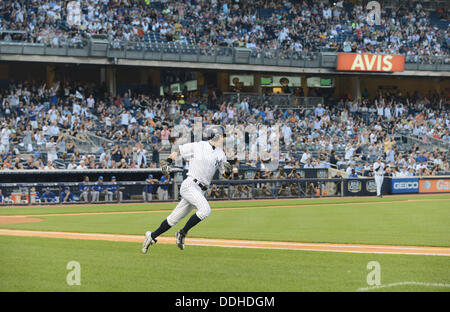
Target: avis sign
371,62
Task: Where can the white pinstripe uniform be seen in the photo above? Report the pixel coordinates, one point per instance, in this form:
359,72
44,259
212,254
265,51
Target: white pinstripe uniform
204,160
378,169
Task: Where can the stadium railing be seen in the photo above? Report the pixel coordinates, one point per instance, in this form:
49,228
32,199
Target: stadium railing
16,194
132,191
282,101
184,52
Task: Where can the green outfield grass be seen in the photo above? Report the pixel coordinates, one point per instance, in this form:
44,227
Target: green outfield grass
39,264
80,208
400,223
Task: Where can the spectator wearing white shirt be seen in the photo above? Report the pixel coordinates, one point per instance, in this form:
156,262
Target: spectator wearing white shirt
319,110
305,157
349,151
51,150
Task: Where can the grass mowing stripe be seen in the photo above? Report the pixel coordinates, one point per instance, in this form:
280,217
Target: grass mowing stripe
39,210
351,248
229,208
403,223
40,265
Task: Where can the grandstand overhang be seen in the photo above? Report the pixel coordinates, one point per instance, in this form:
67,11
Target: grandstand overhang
206,66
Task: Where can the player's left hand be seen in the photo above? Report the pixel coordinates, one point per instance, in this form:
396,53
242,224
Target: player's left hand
165,168
227,172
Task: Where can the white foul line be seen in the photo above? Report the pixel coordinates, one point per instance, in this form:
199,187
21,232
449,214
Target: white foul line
403,283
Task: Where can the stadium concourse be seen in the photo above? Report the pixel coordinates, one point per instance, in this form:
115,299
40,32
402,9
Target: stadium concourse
73,126
417,29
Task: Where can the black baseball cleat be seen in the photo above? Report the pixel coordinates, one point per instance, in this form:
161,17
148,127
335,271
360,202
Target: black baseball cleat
180,239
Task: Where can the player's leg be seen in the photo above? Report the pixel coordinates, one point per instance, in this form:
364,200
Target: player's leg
381,186
180,211
95,196
196,197
378,184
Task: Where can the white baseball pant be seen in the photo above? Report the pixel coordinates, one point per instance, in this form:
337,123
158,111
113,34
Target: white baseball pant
191,197
84,196
118,194
379,183
163,194
147,196
96,196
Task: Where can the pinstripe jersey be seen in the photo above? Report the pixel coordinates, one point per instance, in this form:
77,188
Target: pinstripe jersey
378,172
203,159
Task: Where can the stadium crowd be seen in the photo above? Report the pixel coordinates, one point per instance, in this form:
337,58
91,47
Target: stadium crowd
45,127
269,28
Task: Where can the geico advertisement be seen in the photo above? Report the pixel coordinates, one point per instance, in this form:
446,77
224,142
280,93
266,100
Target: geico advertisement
405,185
434,186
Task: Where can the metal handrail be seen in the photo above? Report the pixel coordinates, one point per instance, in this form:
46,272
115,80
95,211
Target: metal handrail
177,51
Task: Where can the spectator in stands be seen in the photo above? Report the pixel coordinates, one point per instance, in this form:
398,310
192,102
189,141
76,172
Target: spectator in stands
214,192
308,164
353,174
306,156
51,149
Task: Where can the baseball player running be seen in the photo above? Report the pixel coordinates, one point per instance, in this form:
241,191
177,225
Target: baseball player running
204,158
378,169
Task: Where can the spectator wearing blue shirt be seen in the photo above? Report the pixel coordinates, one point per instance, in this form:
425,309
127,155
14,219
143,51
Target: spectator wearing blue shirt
163,189
319,111
114,190
421,158
149,188
353,174
32,113
2,198
37,153
48,196
66,195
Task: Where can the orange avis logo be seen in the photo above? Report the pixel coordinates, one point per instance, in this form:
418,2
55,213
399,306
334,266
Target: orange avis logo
371,62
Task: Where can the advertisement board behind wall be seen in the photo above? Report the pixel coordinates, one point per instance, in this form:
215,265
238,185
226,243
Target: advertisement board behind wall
434,186
405,185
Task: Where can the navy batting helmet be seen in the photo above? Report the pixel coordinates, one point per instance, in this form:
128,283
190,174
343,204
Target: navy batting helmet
214,133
